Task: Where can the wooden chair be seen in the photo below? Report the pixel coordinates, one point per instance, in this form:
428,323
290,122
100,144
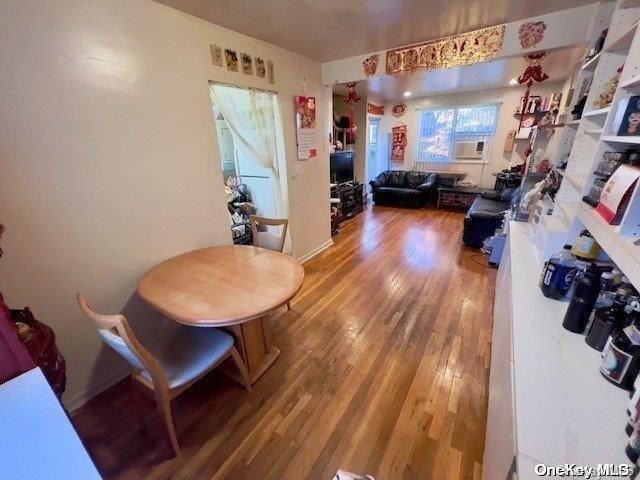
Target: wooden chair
266,239
174,365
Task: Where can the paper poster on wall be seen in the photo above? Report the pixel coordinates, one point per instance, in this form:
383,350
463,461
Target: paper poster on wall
306,133
399,134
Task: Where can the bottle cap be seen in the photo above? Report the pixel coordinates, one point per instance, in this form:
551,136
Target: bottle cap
567,246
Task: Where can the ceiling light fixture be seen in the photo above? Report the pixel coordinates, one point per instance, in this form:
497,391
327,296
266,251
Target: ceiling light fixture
513,82
406,94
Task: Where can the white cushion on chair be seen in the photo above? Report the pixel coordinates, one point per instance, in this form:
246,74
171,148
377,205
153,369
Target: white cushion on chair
190,352
269,240
117,343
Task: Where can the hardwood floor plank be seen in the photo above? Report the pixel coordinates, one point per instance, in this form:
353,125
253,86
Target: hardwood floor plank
383,370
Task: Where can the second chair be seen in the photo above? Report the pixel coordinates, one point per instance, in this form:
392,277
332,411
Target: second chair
267,239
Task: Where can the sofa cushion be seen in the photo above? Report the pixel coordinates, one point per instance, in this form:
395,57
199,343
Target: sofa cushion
401,193
483,207
491,194
395,178
414,179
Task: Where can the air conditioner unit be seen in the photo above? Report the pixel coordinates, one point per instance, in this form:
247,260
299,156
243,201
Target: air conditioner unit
470,149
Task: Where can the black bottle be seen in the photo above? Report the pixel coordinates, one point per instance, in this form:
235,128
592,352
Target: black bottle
606,321
584,297
633,447
621,360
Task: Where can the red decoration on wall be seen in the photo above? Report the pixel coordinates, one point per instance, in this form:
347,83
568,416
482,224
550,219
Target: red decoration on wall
370,65
531,33
399,133
374,109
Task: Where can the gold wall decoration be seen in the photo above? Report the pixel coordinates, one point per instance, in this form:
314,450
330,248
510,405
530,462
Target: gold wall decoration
464,49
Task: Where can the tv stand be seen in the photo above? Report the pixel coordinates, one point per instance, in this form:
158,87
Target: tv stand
350,195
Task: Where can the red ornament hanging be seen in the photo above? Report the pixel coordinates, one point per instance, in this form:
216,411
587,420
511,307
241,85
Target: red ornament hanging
532,73
352,97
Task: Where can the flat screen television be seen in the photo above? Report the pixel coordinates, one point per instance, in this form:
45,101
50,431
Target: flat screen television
341,167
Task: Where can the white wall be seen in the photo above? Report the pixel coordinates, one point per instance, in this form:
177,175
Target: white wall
110,163
508,97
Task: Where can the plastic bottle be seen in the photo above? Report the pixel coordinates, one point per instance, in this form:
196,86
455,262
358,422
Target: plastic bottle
558,274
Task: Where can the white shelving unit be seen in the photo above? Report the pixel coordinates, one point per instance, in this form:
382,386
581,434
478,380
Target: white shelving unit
548,402
594,137
546,395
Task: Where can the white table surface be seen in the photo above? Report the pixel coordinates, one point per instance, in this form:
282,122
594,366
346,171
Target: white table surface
37,440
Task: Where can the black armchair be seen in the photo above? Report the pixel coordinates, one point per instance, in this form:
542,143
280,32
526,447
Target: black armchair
486,214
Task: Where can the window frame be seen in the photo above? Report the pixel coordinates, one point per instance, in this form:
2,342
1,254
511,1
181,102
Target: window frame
487,152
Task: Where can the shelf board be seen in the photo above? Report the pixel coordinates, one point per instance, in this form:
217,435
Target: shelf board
623,43
597,131
621,249
635,140
598,112
591,63
569,209
576,179
633,82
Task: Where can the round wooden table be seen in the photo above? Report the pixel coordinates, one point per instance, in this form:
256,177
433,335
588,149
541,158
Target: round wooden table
231,286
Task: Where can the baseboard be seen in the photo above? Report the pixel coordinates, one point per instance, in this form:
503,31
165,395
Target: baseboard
75,403
316,251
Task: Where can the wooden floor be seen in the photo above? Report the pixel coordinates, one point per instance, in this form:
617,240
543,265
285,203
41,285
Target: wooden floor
384,370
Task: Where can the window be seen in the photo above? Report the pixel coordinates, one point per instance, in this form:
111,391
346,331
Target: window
456,134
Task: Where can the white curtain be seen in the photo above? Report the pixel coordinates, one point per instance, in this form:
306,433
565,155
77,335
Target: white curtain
251,118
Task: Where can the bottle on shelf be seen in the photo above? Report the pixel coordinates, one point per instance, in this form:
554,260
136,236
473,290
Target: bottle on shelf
558,274
605,296
585,293
617,276
632,408
607,320
633,447
586,247
621,359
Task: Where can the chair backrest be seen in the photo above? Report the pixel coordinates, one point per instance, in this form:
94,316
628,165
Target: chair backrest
268,240
116,332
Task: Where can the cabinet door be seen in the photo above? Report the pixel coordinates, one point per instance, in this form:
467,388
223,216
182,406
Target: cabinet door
500,446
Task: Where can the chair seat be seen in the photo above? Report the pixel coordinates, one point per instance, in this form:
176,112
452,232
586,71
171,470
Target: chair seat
269,240
190,352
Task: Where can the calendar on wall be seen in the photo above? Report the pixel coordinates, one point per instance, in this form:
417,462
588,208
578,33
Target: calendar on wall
306,132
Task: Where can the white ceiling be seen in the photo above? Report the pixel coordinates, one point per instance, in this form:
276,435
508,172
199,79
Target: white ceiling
479,76
331,29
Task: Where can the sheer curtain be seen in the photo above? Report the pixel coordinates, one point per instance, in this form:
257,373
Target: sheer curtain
251,118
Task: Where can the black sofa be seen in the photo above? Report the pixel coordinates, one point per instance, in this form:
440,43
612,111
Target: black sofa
399,187
486,214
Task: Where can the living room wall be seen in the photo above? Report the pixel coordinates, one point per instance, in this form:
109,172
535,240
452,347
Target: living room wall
509,98
110,162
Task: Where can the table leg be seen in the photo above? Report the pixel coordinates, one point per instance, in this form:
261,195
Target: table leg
253,341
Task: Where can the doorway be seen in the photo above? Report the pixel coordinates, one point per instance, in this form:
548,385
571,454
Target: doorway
249,131
377,162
